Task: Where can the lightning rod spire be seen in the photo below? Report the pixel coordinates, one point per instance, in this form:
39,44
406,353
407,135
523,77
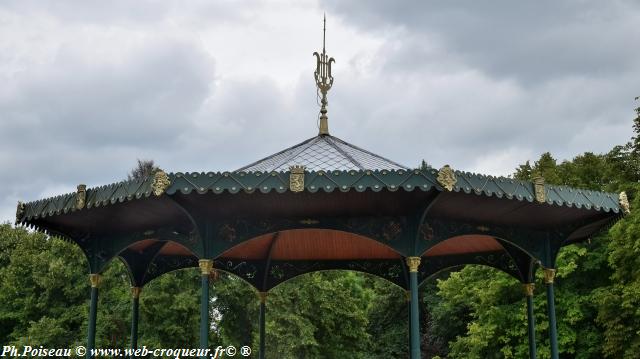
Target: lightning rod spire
324,79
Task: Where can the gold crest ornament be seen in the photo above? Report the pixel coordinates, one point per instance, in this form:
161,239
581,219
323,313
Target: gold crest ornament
447,178
160,183
19,211
624,203
538,188
296,178
81,196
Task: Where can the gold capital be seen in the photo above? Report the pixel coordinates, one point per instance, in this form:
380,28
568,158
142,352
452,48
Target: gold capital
95,280
528,289
135,292
549,275
206,266
413,263
263,296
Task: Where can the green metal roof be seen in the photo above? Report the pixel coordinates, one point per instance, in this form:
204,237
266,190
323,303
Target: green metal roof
362,180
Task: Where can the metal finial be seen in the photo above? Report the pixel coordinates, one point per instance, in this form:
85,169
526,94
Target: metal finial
324,79
324,33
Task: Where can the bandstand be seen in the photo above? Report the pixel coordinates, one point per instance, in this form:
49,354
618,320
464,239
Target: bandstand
324,204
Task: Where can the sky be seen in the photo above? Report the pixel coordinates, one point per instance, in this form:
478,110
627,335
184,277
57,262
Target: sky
88,87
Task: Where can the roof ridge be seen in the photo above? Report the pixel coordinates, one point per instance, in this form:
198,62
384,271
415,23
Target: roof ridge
302,146
369,153
349,157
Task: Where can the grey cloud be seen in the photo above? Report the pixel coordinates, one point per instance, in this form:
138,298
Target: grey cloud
149,97
531,41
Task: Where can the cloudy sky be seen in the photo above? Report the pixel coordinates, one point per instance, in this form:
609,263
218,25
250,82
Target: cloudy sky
88,87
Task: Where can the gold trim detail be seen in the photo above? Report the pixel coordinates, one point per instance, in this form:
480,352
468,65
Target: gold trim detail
549,275
296,178
407,294
81,196
447,178
160,183
624,202
135,292
95,280
413,263
309,221
206,266
263,296
19,211
528,289
539,190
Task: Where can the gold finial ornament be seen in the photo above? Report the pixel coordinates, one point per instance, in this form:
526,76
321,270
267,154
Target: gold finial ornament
263,297
549,275
324,80
95,280
447,178
413,263
135,292
539,190
624,203
528,289
160,183
19,211
81,196
206,266
296,178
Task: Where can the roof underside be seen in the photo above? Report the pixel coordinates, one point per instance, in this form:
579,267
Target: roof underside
323,152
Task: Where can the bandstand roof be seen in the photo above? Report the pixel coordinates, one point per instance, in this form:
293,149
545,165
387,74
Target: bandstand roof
323,204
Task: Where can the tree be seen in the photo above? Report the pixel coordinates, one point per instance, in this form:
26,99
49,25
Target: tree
636,128
144,170
619,302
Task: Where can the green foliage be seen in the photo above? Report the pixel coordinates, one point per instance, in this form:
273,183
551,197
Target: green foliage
319,315
619,302
170,311
43,289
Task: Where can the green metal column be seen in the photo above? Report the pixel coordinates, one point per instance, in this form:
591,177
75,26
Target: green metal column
93,314
413,263
549,276
408,298
263,310
528,292
135,303
206,266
